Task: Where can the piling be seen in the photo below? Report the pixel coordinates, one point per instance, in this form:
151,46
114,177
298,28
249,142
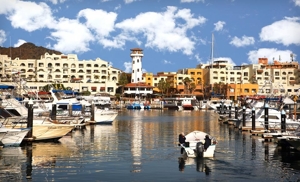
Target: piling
253,118
230,111
30,118
267,116
244,116
93,112
236,112
70,109
53,113
83,110
283,121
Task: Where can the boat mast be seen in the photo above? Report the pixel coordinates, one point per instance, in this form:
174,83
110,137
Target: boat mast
212,49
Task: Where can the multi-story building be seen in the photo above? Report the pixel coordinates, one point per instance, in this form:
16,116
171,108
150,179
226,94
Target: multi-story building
86,75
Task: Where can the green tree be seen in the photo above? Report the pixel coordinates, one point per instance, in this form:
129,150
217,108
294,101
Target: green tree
123,80
163,86
187,84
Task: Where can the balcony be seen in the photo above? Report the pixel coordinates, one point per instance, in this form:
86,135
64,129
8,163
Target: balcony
260,71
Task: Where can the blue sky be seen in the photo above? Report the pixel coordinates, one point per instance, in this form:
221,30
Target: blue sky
174,34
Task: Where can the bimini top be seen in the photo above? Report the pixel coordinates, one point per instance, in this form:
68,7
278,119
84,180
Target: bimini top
7,87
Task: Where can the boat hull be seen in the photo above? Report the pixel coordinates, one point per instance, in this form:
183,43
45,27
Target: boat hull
13,137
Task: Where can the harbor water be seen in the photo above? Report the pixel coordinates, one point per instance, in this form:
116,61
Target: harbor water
142,146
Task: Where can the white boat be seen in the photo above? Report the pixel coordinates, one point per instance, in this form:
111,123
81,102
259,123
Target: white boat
194,145
41,131
103,116
12,137
274,120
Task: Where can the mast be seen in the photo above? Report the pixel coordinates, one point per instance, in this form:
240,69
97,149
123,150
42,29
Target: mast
212,49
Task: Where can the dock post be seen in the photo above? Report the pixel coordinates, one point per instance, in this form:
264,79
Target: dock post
93,111
83,109
236,111
70,109
253,118
244,116
53,113
267,116
230,111
283,121
30,118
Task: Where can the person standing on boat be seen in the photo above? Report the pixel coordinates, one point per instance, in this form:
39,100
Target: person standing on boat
182,141
207,142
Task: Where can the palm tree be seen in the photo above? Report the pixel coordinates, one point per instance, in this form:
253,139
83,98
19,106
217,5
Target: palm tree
187,82
123,80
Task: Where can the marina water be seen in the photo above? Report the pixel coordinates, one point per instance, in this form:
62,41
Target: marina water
142,146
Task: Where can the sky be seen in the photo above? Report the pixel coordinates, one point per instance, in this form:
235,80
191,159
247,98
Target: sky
174,34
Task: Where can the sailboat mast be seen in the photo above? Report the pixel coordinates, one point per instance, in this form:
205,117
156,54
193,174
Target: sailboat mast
212,49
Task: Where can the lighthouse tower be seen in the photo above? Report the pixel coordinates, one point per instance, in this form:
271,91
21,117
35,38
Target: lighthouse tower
136,56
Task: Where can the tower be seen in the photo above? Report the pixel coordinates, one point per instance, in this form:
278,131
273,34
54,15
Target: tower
136,56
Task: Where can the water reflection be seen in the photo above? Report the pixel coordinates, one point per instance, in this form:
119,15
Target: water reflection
201,164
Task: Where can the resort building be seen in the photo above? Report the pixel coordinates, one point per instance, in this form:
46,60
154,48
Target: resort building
87,75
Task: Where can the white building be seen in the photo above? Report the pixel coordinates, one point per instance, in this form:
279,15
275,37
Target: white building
86,75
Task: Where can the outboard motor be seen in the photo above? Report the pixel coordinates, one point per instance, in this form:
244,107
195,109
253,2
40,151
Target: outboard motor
200,149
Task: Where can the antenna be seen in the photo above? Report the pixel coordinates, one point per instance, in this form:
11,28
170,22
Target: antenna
292,57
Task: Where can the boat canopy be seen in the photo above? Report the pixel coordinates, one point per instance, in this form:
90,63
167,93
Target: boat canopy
7,87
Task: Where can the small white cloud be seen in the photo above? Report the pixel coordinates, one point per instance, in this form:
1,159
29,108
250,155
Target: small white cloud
219,25
117,7
128,67
191,1
167,62
297,2
225,59
129,1
270,53
20,42
57,1
284,32
144,70
2,37
244,41
197,57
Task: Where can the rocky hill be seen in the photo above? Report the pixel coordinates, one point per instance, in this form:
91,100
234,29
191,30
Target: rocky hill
26,51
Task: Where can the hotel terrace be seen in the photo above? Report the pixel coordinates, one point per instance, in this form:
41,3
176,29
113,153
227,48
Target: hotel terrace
220,77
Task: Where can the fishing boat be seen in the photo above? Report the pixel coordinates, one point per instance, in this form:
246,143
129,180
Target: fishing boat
194,145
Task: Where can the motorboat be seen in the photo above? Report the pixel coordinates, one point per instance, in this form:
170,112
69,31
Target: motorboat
12,137
42,130
194,145
103,116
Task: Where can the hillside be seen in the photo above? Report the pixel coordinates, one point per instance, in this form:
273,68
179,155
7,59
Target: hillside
26,51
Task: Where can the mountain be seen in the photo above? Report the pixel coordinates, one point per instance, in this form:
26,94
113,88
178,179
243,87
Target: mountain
26,51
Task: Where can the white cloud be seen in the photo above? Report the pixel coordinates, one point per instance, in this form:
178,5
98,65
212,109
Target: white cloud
29,16
128,67
161,30
244,41
20,42
71,36
270,53
191,1
197,57
219,25
166,62
297,2
129,1
225,59
284,32
2,37
117,7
